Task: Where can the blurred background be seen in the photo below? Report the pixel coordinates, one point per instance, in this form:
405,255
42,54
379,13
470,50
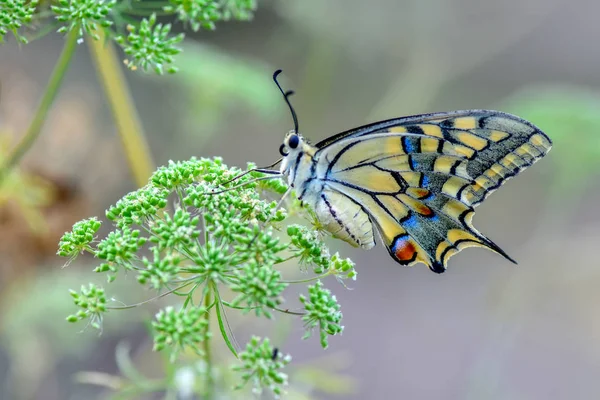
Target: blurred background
484,330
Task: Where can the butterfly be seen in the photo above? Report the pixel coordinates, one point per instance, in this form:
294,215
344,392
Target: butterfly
414,180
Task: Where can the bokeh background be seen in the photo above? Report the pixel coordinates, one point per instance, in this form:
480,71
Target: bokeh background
484,330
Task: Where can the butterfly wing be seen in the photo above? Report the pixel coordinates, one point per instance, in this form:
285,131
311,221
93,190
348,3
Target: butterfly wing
418,178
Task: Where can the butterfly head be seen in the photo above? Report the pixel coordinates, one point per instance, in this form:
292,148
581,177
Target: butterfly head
293,145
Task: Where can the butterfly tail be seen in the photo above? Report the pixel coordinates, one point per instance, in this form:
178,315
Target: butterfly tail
495,248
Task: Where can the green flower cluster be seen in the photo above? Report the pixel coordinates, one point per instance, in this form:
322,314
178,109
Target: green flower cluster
79,239
85,16
309,247
13,15
150,46
181,330
322,311
261,365
131,24
201,225
92,303
119,249
204,13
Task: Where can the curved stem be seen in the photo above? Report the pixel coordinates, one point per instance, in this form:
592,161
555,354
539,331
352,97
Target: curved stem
149,300
314,278
287,311
207,353
122,107
58,74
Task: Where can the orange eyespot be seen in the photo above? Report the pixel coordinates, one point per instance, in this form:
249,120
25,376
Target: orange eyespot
404,250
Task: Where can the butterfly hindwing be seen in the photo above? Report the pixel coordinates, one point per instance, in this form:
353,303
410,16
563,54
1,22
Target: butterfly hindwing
418,178
345,218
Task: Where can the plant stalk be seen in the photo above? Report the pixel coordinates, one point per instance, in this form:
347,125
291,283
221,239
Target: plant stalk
207,354
56,79
123,109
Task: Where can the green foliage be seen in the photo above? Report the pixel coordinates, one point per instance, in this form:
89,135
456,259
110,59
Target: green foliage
149,45
217,235
13,15
260,367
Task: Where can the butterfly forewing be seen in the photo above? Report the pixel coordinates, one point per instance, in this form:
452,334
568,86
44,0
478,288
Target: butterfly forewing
418,178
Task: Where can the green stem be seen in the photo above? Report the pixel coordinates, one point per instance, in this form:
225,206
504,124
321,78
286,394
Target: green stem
147,301
60,70
207,353
123,109
314,278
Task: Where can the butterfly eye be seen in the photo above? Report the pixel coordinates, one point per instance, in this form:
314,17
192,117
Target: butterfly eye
282,150
293,141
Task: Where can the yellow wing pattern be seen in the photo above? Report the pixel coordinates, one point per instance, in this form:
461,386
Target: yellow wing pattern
418,178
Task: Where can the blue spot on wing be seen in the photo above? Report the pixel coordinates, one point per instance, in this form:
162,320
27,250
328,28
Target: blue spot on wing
425,181
409,145
411,223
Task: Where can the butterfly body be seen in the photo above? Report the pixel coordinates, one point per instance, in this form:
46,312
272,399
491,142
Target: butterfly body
415,180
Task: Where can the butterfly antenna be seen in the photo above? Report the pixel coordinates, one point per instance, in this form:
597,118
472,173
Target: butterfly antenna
262,178
264,170
286,96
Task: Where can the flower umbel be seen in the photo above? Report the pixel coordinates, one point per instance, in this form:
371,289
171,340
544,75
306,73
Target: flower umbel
262,369
84,15
150,46
260,288
92,302
79,239
309,247
138,207
177,232
202,225
181,330
13,15
161,270
322,311
239,9
197,13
